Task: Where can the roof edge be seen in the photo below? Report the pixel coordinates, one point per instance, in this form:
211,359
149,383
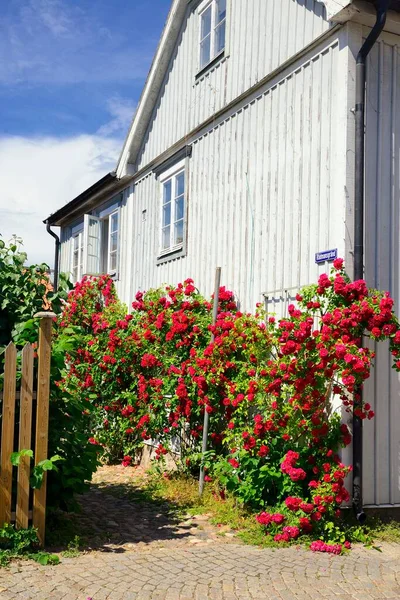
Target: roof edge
148,99
102,184
334,7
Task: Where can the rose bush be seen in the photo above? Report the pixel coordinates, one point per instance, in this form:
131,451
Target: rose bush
267,385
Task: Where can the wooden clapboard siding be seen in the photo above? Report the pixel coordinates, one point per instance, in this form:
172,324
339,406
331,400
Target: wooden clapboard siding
261,35
262,200
382,256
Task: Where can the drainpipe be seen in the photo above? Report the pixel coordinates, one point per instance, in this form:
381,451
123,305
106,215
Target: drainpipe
382,7
56,254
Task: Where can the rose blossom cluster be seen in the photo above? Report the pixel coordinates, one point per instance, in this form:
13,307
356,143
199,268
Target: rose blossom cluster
266,384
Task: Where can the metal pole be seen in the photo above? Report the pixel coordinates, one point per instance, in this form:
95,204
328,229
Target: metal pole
206,415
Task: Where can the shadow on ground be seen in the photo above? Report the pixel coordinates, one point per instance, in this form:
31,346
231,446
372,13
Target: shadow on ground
119,516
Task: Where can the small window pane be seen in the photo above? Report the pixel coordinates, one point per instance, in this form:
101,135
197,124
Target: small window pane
166,214
113,242
113,261
220,38
180,184
179,208
114,222
221,10
205,51
167,191
166,237
206,23
178,233
76,243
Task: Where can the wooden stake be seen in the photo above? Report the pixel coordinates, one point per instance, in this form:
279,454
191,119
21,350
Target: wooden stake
7,433
25,427
206,415
42,418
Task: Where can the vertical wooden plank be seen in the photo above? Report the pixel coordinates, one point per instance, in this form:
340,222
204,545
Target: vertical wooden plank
25,426
42,418
7,433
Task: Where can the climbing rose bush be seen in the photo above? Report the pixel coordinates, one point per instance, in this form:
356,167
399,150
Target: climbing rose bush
280,393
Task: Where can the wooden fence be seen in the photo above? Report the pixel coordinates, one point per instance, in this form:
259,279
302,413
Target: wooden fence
17,417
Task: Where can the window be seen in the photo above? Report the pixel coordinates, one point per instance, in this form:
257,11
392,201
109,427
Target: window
95,245
212,30
173,209
112,246
77,255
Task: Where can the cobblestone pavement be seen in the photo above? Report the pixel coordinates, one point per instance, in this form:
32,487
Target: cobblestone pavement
167,558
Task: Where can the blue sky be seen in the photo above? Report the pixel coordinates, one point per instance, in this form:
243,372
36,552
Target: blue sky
71,76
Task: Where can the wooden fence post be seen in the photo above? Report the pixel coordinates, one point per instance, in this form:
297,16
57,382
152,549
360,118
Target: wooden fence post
25,441
7,433
42,417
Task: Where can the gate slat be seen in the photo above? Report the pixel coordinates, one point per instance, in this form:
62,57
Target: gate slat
7,432
42,418
25,427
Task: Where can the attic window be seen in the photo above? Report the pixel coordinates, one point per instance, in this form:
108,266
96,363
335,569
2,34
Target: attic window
212,15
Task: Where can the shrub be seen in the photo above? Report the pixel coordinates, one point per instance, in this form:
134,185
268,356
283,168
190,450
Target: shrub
25,290
266,384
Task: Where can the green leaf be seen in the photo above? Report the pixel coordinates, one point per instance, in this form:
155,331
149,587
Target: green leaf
16,456
44,558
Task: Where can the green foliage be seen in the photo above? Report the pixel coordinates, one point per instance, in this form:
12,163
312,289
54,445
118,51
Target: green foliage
22,292
16,456
69,429
267,385
40,469
72,550
22,543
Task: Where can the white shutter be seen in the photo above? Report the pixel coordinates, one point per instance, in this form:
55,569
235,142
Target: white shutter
91,245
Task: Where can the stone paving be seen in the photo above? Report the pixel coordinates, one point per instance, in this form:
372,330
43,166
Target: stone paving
166,558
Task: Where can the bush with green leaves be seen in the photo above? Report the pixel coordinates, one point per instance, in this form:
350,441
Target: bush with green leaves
267,385
22,292
22,543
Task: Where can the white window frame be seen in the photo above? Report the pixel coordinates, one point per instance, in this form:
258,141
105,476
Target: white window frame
77,232
204,6
171,174
110,271
94,257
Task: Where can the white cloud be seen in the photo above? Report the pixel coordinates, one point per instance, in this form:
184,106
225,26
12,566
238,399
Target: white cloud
121,111
58,42
38,176
51,14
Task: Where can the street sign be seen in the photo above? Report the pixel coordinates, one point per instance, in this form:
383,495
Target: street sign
326,255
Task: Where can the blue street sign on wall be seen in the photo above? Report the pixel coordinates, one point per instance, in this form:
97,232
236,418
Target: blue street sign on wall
327,255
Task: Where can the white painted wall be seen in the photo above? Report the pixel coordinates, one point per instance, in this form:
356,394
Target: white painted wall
266,188
382,264
261,35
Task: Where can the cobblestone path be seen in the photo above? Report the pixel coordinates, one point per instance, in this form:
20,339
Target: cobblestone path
148,553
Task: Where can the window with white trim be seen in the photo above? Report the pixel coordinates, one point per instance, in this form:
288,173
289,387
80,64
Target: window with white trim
77,256
173,209
95,245
212,14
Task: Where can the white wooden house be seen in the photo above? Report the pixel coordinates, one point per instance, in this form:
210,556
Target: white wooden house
241,155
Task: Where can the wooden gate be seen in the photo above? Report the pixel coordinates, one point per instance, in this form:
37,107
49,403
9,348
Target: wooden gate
19,410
